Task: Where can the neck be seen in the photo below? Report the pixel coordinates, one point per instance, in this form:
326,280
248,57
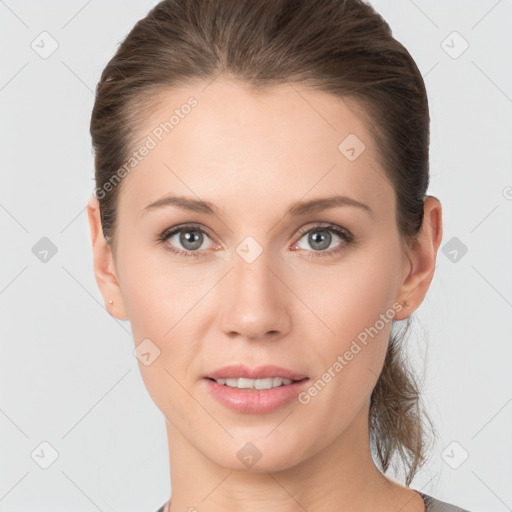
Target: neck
342,471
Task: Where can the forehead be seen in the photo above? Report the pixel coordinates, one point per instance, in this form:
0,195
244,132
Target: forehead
222,141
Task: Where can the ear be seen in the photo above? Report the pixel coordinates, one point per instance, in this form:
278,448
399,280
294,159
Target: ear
420,259
104,269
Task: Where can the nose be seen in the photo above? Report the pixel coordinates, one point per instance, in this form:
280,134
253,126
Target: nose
255,302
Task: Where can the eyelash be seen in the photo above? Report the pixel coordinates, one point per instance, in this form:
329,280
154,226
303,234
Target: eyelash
344,234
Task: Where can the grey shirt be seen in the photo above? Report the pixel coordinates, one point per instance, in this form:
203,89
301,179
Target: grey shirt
431,505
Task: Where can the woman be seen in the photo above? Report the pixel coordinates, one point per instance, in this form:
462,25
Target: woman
261,219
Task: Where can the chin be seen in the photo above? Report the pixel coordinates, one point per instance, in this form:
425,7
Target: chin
257,454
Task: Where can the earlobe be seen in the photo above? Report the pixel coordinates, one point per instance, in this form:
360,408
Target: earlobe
104,268
421,259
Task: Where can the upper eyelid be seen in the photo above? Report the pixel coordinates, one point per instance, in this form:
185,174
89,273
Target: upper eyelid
180,227
328,226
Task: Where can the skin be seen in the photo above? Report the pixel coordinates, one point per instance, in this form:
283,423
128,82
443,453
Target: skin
253,155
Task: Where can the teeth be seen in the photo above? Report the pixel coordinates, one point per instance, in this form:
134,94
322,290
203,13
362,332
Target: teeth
243,383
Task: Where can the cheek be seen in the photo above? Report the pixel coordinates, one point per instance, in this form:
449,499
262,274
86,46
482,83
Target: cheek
157,290
355,300
159,297
165,302
351,296
356,303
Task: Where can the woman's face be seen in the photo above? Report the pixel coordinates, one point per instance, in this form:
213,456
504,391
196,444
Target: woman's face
265,279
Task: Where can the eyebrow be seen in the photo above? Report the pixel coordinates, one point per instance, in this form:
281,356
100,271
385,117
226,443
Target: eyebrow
296,210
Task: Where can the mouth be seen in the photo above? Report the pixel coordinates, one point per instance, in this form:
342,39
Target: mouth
254,390
255,384
255,396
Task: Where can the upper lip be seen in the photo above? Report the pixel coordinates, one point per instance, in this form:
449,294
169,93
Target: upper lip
259,372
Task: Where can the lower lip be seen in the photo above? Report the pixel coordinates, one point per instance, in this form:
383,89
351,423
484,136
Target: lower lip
255,401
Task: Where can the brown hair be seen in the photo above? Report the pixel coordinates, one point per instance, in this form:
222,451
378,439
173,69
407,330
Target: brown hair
341,47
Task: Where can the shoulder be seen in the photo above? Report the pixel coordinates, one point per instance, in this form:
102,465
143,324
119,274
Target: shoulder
433,505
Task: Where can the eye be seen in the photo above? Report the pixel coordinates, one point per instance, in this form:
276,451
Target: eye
189,240
185,240
321,236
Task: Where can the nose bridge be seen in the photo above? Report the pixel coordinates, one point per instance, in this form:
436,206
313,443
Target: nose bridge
253,299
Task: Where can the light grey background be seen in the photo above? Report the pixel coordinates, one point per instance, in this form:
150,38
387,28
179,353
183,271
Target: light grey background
68,376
